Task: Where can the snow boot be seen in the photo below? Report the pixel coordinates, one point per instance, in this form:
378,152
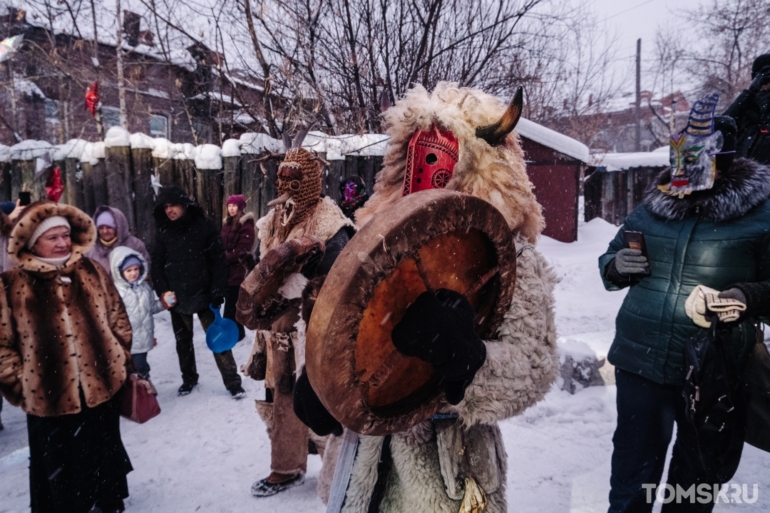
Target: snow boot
186,388
264,488
237,392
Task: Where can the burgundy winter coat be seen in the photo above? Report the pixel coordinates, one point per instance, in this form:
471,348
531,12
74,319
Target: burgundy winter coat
238,239
101,254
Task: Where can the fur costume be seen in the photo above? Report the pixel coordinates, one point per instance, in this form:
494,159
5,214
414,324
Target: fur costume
426,472
63,329
495,174
300,211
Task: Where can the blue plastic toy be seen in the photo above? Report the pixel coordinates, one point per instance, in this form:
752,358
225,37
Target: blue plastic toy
222,335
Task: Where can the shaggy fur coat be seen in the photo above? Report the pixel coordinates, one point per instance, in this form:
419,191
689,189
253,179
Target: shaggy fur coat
521,361
63,329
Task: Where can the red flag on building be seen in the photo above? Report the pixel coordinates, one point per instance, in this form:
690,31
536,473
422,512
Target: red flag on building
54,186
92,98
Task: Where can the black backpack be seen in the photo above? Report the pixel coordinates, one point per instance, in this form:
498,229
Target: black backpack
715,406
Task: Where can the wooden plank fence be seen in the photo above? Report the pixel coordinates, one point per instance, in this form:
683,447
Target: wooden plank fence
613,195
122,179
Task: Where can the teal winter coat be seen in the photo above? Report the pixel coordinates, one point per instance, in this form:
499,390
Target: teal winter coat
719,238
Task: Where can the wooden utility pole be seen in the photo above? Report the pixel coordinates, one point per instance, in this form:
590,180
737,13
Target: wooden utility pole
121,85
638,107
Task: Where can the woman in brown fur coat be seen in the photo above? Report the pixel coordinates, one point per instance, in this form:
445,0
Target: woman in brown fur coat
64,347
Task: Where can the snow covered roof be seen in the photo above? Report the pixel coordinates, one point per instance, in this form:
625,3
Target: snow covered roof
623,161
554,140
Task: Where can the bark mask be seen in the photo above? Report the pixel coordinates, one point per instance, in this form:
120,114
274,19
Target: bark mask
693,151
299,183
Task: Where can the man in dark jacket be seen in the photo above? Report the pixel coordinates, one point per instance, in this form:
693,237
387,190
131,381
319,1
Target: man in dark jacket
706,223
190,270
751,111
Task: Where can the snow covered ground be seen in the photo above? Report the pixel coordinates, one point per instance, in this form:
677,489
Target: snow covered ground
205,450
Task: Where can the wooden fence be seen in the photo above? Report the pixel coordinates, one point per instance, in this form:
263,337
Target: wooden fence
122,179
613,195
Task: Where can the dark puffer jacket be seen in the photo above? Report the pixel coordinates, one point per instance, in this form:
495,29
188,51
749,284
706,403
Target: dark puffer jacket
751,111
238,239
717,238
188,257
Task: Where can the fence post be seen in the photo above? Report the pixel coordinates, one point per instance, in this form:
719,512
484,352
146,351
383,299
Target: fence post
184,174
141,160
268,191
89,202
117,167
231,178
208,181
23,177
74,189
251,183
5,182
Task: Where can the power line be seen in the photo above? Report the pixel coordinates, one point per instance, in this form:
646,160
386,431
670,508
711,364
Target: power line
627,10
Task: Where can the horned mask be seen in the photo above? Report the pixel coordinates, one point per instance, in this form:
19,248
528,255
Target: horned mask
298,182
693,151
432,154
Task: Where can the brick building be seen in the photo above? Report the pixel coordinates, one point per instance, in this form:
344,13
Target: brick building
183,95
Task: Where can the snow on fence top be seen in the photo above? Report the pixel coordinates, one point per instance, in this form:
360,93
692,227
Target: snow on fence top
72,149
624,161
208,156
30,150
117,136
554,140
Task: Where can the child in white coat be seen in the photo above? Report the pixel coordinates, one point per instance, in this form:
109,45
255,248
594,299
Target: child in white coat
129,271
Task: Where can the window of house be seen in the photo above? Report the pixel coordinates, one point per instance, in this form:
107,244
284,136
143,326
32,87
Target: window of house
158,125
110,117
51,111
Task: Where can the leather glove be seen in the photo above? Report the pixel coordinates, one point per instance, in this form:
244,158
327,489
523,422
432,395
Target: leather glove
440,329
762,79
631,261
309,409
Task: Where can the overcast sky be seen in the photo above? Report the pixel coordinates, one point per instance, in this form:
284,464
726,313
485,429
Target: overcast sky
634,19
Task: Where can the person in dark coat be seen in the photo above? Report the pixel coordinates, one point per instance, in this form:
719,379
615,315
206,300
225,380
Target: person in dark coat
112,228
751,111
238,235
705,224
190,273
64,354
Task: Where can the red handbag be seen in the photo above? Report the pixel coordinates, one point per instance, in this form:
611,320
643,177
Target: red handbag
138,403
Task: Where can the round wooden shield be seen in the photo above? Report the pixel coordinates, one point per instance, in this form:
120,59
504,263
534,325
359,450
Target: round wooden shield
426,241
259,302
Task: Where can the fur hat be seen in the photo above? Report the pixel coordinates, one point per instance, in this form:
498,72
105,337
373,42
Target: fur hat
45,225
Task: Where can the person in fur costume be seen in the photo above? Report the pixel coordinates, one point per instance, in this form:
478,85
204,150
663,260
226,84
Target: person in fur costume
299,211
487,380
705,224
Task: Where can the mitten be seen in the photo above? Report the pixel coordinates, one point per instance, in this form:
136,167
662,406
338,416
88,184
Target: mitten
440,329
309,409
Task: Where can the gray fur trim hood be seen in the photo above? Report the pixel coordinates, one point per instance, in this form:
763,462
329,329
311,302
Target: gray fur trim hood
744,186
